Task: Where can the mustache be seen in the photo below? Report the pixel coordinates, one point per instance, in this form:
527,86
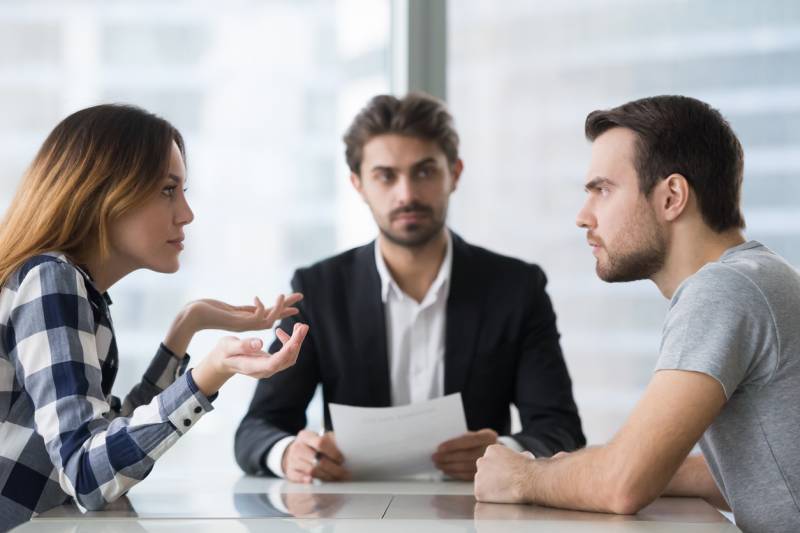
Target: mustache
590,237
413,207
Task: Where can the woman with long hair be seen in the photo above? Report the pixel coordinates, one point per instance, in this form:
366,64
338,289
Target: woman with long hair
103,197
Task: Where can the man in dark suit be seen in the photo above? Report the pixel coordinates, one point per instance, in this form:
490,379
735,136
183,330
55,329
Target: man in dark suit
416,314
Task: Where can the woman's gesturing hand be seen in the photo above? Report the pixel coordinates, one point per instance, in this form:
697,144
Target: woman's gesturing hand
214,314
245,356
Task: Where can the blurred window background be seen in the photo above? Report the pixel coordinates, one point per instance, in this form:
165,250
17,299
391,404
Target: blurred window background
522,76
262,92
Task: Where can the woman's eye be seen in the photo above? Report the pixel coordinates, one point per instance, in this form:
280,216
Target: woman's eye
169,191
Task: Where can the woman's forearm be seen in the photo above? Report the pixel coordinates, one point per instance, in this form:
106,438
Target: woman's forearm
180,334
208,378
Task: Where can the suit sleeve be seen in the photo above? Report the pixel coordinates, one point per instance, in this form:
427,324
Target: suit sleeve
543,394
278,408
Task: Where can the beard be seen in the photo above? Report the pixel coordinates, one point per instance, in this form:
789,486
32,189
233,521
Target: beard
416,234
641,252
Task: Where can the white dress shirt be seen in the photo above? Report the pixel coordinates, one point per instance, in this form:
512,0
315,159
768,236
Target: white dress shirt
415,333
415,341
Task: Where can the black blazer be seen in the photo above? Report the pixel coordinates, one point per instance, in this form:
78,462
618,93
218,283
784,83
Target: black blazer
501,347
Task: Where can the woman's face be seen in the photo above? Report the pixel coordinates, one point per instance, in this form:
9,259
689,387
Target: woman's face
151,236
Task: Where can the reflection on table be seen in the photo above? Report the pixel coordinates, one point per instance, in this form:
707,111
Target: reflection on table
247,504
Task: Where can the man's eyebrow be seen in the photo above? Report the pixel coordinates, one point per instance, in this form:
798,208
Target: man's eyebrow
423,162
597,182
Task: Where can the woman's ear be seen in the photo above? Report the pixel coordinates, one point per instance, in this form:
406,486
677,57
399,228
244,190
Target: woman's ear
671,196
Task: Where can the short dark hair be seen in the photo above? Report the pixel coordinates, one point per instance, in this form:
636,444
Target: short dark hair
682,135
415,115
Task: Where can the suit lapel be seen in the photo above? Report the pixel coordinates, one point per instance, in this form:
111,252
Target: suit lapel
368,321
464,306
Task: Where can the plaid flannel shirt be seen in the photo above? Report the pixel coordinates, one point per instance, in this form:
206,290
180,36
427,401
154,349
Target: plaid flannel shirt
62,434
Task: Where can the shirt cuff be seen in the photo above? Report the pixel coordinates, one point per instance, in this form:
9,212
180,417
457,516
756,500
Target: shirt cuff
512,443
183,404
165,368
276,497
275,456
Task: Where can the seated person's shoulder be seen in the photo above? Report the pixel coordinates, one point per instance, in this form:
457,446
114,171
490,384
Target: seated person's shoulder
51,270
751,271
724,283
333,270
505,268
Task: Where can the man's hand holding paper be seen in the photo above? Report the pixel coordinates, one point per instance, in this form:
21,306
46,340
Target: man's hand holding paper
457,457
395,442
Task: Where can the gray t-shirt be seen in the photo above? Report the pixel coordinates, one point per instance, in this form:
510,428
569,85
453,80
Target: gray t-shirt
738,320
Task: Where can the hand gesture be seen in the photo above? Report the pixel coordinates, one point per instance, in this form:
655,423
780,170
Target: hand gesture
244,356
214,314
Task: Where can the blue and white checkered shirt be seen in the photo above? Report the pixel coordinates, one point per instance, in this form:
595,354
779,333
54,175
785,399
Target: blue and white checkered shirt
62,434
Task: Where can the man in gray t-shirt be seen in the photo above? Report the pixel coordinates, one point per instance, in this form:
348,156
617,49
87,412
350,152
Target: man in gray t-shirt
736,320
663,192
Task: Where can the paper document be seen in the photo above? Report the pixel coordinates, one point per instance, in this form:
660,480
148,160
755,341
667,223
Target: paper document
392,442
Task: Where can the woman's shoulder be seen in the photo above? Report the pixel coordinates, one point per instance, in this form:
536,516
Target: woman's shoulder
52,270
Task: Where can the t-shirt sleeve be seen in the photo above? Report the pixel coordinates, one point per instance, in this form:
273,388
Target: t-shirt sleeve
720,324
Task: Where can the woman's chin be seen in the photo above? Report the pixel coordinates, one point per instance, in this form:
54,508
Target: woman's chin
165,267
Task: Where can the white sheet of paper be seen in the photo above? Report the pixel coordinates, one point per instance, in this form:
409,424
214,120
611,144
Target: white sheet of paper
393,442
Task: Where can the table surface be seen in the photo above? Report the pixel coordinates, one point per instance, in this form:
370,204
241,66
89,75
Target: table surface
234,504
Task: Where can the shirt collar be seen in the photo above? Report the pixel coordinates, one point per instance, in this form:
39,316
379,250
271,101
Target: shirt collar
440,283
84,270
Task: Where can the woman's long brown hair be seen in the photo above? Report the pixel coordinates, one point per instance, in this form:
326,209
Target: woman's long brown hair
97,164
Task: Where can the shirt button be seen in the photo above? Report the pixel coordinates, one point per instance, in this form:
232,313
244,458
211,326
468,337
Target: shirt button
198,409
187,422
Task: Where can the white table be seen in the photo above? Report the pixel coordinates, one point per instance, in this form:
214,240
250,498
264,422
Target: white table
243,504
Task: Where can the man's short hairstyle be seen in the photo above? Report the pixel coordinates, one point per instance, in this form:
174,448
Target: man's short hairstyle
682,135
416,115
